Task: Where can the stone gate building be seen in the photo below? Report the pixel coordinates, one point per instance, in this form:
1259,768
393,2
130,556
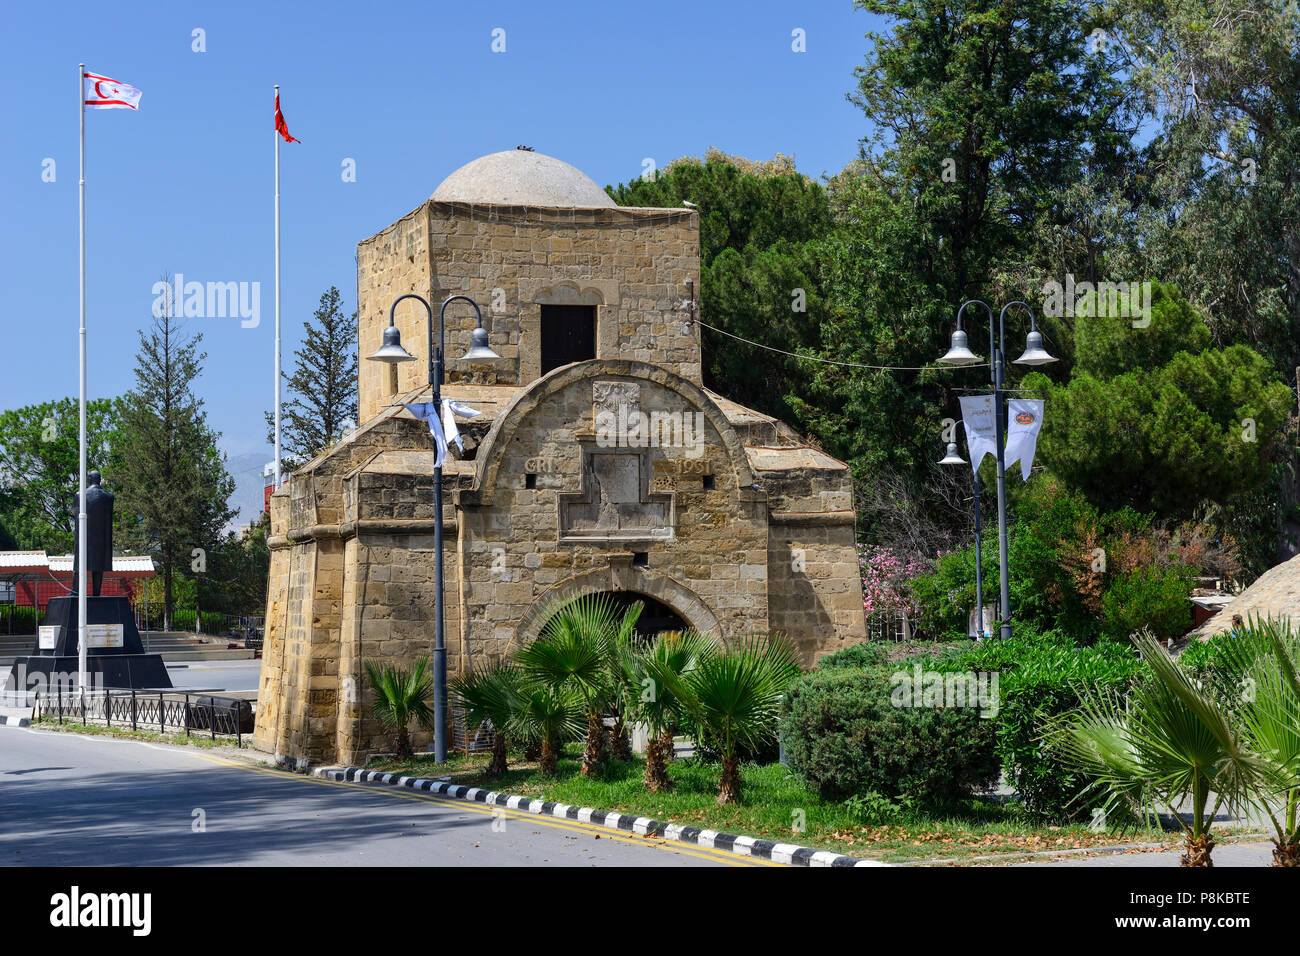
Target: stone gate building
599,462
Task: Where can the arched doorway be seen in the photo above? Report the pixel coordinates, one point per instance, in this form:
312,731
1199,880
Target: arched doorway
668,604
656,617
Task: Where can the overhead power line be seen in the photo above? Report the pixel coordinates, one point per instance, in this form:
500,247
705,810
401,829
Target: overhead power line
811,358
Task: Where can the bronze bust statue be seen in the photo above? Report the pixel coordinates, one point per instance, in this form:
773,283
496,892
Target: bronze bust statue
99,535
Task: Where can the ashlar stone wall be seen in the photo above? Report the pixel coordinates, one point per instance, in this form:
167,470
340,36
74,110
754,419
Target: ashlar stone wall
637,266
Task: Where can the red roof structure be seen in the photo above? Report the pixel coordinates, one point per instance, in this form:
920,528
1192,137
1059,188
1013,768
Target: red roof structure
36,577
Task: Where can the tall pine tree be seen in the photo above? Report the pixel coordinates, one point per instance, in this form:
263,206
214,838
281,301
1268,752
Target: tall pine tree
323,385
171,476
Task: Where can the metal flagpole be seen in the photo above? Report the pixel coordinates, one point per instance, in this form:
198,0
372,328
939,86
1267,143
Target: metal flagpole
81,413
276,134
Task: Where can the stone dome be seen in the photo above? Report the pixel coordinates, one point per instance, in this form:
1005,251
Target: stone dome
520,177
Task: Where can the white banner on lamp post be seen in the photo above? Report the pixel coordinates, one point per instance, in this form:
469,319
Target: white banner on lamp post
1024,419
981,429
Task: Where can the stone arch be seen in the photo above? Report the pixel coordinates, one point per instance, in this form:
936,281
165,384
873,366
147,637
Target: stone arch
684,602
504,429
567,292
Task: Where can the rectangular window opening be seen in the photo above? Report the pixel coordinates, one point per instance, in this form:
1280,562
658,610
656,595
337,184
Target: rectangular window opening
568,335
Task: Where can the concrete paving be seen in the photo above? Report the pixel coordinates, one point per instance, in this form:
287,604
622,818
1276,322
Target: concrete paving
71,800
1225,854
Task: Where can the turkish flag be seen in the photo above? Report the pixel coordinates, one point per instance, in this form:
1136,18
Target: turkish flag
280,126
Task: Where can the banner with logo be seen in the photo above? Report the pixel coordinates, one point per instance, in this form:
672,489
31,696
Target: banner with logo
1024,418
981,429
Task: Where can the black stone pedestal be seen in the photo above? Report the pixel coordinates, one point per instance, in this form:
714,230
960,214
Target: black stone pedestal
127,666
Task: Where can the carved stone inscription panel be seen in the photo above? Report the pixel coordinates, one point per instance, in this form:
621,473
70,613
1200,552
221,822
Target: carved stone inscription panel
615,503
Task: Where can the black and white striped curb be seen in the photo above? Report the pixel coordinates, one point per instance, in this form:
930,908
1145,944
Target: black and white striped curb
15,721
741,845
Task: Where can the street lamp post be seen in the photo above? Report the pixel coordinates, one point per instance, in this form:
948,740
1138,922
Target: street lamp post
1034,354
953,458
391,353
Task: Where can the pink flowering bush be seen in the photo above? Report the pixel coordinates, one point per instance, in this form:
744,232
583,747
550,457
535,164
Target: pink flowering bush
887,578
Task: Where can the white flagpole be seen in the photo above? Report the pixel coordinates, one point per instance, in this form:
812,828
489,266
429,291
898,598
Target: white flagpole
80,581
276,135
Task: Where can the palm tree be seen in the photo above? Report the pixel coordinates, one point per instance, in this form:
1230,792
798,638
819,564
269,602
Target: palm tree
575,652
545,717
1172,740
488,696
623,702
401,696
1266,656
734,696
654,706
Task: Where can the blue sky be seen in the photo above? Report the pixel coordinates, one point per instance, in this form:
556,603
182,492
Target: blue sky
409,91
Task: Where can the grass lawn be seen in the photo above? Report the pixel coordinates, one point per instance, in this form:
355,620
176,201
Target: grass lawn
197,739
774,802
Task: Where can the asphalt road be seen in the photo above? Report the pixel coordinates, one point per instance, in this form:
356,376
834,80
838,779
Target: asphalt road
215,675
205,675
69,800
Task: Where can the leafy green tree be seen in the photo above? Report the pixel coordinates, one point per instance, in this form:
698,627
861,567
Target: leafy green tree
760,224
1106,343
173,485
234,580
39,464
323,386
1220,202
1147,425
1216,208
741,202
986,112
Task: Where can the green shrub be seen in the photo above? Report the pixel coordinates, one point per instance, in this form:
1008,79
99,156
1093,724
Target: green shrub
859,655
945,596
1150,598
1040,677
17,619
1217,660
873,809
1056,536
213,623
844,737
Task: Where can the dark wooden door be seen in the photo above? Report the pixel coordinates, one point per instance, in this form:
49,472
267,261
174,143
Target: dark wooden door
568,335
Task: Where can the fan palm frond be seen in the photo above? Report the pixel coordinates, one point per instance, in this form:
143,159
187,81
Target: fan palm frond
1170,741
401,696
734,695
1267,656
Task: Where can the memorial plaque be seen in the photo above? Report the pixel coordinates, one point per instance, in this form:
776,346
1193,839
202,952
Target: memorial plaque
49,636
103,635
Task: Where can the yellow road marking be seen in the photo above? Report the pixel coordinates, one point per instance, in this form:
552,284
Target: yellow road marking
483,809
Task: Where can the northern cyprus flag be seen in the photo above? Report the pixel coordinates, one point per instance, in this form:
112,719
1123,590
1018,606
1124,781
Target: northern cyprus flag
104,93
